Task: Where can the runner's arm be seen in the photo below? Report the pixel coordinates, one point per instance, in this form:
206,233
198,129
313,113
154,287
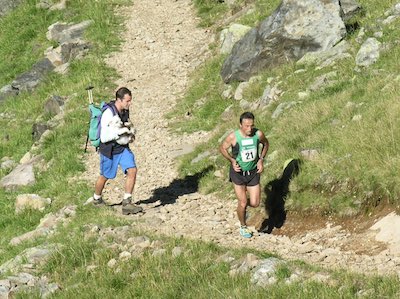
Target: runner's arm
223,148
265,145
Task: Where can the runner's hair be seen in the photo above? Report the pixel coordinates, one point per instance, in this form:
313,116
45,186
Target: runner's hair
246,115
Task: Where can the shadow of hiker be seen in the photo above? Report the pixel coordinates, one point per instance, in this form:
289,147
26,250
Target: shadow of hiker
178,187
277,191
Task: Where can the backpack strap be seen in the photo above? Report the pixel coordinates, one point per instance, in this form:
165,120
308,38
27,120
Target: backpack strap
110,105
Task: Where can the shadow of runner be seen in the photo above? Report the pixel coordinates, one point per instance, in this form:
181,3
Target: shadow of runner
277,191
178,187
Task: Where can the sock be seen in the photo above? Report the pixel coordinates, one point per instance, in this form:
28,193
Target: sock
96,197
127,195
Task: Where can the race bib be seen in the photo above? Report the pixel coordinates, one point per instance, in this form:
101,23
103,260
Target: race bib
248,155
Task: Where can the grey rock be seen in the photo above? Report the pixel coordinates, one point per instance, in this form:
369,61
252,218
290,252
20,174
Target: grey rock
270,95
350,9
177,251
21,278
264,273
49,289
63,32
35,256
309,154
29,80
8,164
239,91
4,291
59,6
38,130
328,57
54,105
227,93
6,6
282,107
228,113
7,91
200,157
159,252
29,236
368,53
67,51
32,201
44,4
324,81
295,28
22,175
389,20
231,35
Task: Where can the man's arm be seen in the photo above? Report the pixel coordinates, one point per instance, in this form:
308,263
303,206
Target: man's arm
223,148
264,150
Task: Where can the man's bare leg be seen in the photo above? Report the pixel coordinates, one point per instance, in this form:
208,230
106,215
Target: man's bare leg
130,180
240,192
255,195
101,182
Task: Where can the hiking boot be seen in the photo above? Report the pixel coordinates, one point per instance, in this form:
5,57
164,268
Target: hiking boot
245,232
129,208
98,202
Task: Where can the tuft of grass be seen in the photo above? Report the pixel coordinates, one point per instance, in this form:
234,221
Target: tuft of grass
203,103
209,11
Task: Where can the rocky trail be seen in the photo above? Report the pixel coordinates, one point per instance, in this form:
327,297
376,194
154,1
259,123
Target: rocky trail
162,46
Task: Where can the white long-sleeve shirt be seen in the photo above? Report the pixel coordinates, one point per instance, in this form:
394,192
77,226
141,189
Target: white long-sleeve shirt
107,132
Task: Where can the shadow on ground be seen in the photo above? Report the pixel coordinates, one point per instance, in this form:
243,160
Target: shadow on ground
178,187
276,192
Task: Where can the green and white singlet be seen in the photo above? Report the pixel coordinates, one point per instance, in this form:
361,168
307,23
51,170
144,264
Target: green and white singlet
246,151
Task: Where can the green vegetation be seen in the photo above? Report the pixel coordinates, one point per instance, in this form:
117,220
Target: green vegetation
23,45
196,273
355,158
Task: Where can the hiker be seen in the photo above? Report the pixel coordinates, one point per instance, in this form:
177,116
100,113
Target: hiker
246,160
114,153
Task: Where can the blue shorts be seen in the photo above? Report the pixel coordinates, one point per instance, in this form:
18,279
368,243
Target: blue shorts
109,167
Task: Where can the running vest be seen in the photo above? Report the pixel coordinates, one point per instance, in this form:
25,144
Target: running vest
246,151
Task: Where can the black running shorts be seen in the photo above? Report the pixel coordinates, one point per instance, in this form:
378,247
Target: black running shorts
244,178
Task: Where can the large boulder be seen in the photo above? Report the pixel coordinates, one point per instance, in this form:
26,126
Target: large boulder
295,28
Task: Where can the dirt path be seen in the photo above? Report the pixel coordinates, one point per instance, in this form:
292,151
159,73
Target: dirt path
162,47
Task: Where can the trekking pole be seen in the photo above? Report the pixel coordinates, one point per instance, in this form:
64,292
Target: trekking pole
90,97
90,94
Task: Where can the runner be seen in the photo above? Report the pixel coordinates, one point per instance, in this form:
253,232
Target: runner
246,165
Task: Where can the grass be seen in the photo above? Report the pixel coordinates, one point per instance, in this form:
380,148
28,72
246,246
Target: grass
196,273
356,157
62,151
